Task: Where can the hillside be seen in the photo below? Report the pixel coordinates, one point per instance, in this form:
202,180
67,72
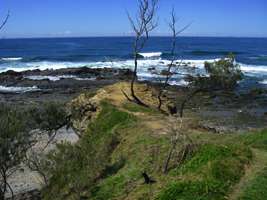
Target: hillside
122,141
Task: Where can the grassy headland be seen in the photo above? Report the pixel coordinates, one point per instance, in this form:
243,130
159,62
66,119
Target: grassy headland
123,140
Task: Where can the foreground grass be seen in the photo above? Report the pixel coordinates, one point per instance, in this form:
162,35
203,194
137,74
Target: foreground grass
108,161
257,188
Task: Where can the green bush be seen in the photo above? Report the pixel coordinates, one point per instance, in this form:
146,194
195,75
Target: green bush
15,140
76,169
222,75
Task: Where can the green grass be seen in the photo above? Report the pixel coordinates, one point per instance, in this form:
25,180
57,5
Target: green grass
257,189
76,168
108,161
256,140
209,174
132,107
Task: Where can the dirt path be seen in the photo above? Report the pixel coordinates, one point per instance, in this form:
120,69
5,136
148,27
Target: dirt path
258,164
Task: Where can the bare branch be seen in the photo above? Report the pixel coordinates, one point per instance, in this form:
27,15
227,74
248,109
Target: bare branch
5,21
175,33
142,26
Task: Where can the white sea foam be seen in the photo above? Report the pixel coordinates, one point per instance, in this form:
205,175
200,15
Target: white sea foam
11,59
263,82
51,78
18,89
150,54
56,78
253,68
116,64
144,66
182,82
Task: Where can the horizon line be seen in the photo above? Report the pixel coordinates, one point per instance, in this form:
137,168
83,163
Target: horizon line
128,36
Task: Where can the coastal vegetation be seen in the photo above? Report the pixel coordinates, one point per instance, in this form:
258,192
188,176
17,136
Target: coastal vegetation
15,140
128,151
132,138
126,140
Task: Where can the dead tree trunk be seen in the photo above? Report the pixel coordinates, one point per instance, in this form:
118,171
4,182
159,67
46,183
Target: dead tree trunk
175,33
142,27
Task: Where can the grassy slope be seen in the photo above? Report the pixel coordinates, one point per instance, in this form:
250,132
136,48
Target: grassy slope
127,140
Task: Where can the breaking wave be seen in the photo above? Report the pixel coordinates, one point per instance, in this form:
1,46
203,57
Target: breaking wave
56,78
144,69
6,89
12,59
150,54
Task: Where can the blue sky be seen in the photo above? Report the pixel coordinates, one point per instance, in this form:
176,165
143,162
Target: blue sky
67,18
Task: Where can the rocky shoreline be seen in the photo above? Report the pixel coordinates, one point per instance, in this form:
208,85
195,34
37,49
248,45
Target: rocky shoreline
55,85
62,85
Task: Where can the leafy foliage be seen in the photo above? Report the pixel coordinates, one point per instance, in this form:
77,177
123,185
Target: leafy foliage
14,142
76,168
50,117
221,75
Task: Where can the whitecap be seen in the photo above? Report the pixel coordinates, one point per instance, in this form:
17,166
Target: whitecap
144,67
51,78
263,82
150,54
180,82
57,78
7,89
12,59
253,68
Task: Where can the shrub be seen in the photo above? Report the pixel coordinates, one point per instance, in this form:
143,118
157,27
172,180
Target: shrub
75,169
15,140
221,75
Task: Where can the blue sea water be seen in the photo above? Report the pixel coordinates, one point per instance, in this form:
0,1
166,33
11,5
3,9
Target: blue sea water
54,53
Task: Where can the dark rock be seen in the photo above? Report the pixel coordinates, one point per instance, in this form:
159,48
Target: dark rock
151,68
172,109
171,65
165,73
11,73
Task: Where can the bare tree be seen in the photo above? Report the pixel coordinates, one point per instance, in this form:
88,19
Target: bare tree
178,136
5,21
142,26
172,26
174,139
37,161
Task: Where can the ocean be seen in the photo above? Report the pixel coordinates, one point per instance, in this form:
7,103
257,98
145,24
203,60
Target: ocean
116,52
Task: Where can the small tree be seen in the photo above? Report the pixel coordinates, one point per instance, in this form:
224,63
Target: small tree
50,118
142,26
47,119
220,75
38,162
168,74
178,136
14,142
